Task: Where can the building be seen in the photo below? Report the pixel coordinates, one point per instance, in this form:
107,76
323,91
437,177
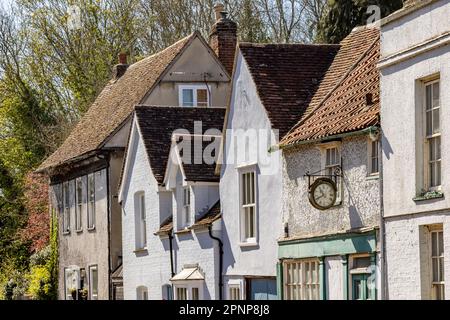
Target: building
331,196
85,170
272,85
415,95
171,208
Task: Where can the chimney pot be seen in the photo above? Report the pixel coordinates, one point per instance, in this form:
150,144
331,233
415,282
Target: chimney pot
218,9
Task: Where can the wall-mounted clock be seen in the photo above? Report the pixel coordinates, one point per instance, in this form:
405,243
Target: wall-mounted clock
322,193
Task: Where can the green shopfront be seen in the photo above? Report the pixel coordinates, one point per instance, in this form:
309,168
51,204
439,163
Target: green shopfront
334,267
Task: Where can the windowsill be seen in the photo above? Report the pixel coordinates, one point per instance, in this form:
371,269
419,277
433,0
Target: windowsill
373,177
91,229
66,233
248,244
183,231
429,196
142,250
79,231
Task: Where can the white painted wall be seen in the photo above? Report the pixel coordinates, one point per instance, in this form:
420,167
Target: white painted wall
151,268
247,112
408,269
415,28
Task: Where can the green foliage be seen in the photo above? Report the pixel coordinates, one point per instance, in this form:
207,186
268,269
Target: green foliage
40,283
344,15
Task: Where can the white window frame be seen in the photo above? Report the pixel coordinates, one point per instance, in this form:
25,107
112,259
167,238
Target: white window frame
74,271
92,296
438,230
194,88
300,286
90,202
244,240
371,171
79,204
323,150
186,215
66,207
140,221
433,136
189,285
237,286
142,293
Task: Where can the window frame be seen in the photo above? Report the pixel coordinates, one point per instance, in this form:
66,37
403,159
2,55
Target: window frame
323,147
235,284
79,204
66,207
186,207
194,88
244,240
428,139
290,288
371,157
189,286
140,217
142,293
436,229
91,268
90,203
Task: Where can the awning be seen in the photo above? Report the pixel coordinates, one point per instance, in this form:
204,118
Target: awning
189,273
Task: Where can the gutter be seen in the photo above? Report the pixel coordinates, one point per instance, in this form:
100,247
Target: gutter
172,269
325,139
220,260
108,192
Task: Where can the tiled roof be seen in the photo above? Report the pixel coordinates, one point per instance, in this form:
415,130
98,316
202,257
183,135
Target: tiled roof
207,219
286,77
196,169
114,104
212,215
166,227
344,108
157,125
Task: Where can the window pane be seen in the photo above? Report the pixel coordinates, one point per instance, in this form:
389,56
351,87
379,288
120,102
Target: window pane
441,269
441,243
195,294
436,123
435,265
435,94
438,173
202,97
429,124
188,98
428,104
94,283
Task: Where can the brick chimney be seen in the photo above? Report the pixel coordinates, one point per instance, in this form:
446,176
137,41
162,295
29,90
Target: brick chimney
223,37
120,69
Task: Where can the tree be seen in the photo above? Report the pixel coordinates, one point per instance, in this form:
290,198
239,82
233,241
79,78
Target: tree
344,15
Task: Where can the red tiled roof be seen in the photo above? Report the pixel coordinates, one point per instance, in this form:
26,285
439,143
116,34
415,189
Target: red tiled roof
344,108
287,77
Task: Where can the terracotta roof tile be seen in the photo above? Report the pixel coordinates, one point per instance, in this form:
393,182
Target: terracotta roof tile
157,125
345,108
287,77
114,104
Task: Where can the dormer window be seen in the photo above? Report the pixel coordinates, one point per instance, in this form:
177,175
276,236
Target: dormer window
194,96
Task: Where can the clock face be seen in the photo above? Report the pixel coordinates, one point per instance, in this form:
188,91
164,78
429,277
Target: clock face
323,193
